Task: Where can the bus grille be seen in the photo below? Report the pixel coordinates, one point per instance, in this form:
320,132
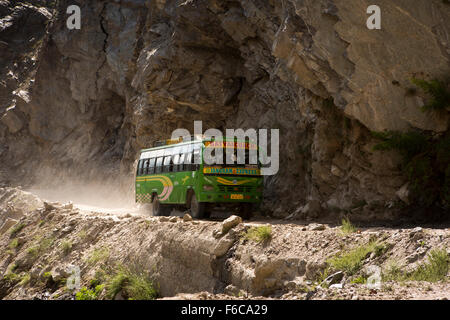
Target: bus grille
241,189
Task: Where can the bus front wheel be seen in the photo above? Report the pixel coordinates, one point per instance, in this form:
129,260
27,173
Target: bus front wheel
197,208
159,209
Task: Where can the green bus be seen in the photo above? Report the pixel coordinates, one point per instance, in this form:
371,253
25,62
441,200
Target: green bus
174,174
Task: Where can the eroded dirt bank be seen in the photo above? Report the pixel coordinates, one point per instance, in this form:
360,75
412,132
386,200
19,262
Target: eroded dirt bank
206,259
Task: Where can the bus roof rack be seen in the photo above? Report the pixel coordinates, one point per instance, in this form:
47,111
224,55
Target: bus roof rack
198,137
166,142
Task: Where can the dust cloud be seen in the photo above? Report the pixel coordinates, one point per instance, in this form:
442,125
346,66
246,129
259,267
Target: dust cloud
100,195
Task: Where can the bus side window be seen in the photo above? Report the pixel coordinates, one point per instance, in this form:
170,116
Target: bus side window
159,163
176,159
167,161
188,162
179,166
151,169
145,167
139,168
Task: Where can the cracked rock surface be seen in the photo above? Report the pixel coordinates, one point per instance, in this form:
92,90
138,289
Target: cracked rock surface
83,102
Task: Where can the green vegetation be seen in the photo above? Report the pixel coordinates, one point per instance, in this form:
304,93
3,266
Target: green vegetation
41,247
98,255
45,244
89,294
359,280
132,284
11,277
49,280
351,261
408,144
426,164
95,288
258,234
25,279
435,269
99,278
16,229
426,159
321,276
13,244
307,288
432,271
66,247
437,90
33,251
82,234
347,227
47,275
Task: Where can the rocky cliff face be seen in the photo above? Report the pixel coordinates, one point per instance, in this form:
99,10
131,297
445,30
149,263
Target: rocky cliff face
81,103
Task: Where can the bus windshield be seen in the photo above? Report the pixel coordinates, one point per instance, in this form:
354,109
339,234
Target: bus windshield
230,154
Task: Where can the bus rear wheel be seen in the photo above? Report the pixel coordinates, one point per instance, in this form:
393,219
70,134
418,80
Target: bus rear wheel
159,209
246,211
197,208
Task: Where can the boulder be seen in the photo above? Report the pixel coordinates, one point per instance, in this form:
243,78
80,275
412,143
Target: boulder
223,245
231,222
403,193
416,234
49,206
314,269
231,290
60,273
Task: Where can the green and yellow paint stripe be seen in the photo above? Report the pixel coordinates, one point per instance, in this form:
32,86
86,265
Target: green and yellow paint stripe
165,181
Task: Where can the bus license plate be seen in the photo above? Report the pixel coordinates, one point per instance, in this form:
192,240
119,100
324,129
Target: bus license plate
237,197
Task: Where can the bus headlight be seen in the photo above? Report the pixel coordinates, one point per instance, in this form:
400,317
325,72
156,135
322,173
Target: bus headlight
208,187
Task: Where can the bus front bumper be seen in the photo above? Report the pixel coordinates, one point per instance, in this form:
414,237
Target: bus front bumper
230,198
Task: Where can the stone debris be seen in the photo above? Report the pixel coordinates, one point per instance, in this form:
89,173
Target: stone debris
316,227
199,255
68,206
337,286
49,206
